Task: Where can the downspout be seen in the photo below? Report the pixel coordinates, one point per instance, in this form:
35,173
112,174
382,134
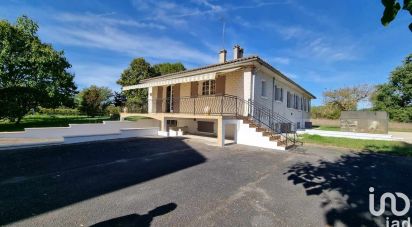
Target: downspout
252,91
273,92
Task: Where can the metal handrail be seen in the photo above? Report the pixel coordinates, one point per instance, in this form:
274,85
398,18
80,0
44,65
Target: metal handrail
227,105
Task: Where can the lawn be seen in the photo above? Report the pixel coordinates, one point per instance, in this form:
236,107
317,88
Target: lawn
390,147
34,121
326,128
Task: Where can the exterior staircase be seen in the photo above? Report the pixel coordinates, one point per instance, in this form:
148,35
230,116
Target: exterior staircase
282,141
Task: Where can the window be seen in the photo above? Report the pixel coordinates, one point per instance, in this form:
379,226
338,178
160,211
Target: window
305,104
301,103
209,87
308,105
278,94
289,100
263,89
295,101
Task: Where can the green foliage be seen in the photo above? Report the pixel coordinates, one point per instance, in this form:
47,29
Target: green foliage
326,112
140,69
15,102
32,67
391,147
38,120
346,98
395,97
64,111
392,8
113,112
166,68
119,99
94,100
341,99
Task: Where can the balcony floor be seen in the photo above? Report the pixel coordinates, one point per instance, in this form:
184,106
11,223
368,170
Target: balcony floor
160,116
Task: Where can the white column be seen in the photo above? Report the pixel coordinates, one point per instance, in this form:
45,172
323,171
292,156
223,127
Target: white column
149,100
248,86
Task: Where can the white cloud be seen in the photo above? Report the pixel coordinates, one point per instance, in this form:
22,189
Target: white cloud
104,20
113,39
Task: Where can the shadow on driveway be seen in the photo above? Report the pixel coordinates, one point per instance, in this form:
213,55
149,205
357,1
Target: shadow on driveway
344,186
137,219
37,180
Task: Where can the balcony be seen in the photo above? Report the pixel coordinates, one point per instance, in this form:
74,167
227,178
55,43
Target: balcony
212,107
224,105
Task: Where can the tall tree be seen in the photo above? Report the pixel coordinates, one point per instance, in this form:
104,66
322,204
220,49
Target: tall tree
140,69
347,98
395,97
392,8
94,100
32,73
166,68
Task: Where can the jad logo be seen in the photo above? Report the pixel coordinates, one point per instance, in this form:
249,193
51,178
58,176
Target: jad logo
393,201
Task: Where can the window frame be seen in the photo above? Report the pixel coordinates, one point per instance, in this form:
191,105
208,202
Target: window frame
209,87
263,89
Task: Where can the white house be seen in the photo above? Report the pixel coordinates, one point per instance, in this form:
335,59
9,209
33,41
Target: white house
244,99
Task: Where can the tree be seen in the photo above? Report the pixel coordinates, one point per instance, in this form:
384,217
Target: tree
395,97
347,98
140,69
166,68
94,100
392,8
32,73
119,99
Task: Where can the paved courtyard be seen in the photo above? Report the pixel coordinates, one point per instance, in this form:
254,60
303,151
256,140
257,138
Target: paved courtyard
186,182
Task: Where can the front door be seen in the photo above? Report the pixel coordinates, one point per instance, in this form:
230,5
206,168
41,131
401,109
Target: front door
169,97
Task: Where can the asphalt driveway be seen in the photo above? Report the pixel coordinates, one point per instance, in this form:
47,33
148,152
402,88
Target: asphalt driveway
185,182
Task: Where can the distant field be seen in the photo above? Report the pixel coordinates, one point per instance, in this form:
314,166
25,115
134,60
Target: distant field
34,121
389,147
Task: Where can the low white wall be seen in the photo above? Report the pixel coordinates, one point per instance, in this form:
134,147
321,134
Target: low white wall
107,127
124,133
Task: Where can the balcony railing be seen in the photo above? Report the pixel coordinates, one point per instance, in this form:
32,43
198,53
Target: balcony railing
225,105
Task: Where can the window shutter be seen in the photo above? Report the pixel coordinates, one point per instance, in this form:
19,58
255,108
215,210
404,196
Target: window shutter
176,98
194,89
159,100
220,85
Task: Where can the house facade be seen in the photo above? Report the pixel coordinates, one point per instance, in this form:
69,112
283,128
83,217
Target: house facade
244,99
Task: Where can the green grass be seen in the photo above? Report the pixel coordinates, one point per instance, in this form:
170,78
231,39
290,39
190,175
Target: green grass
35,121
326,128
390,147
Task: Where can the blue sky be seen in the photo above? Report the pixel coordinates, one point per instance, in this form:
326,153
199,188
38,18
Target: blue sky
320,44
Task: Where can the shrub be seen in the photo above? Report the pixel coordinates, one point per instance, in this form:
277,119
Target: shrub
113,112
59,111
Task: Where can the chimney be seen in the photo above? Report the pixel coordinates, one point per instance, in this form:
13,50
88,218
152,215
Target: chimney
237,52
222,56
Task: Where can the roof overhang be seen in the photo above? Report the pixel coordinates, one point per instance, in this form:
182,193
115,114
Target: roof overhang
187,79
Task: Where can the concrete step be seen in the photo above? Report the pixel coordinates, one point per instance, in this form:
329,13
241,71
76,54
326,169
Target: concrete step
275,138
267,133
260,129
254,125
